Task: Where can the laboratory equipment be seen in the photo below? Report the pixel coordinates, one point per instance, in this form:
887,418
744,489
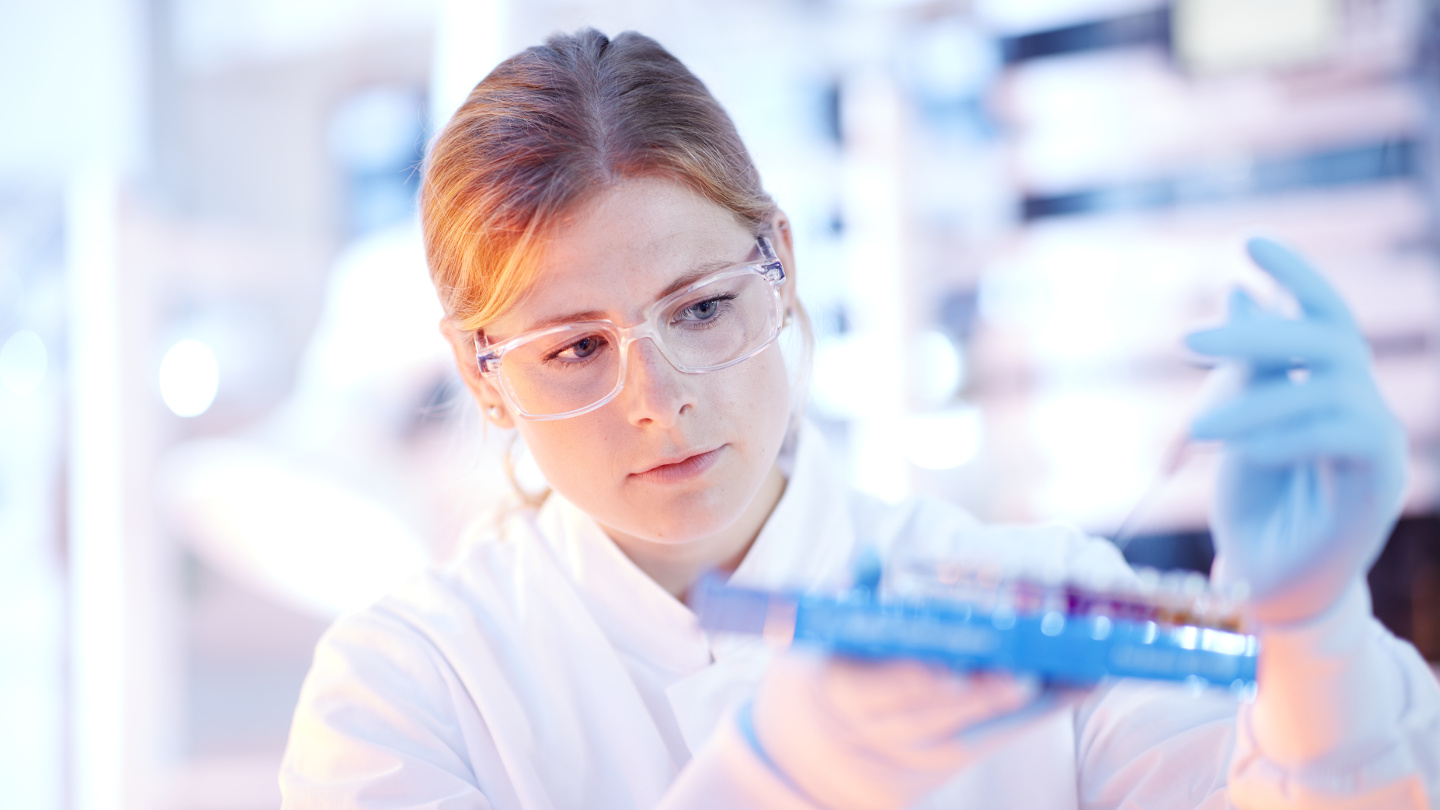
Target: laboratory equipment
1172,627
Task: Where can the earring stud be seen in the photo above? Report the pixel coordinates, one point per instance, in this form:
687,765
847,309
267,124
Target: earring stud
494,413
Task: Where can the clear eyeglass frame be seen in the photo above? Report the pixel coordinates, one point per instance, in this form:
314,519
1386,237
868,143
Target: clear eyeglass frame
490,358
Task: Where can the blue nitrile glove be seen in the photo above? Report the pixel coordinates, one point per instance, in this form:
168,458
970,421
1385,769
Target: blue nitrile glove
881,735
1314,461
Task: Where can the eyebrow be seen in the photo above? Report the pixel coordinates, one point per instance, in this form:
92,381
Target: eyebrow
682,281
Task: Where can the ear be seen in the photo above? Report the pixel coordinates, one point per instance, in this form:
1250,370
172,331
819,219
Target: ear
492,405
785,241
784,245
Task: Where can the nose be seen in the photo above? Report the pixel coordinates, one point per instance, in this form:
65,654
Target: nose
656,393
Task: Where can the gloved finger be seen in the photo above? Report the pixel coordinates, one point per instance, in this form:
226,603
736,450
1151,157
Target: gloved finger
1050,700
1281,343
1000,727
965,701
862,687
1243,307
1261,405
1341,439
1315,296
998,711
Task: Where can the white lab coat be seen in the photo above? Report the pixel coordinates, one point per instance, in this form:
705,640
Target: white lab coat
543,670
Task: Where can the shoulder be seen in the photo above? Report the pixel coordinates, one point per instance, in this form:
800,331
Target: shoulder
407,693
478,592
380,705
416,631
402,637
383,659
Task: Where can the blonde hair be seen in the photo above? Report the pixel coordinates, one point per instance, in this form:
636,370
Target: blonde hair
544,132
547,130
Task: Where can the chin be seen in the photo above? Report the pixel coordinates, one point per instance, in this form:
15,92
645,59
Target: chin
687,520
690,527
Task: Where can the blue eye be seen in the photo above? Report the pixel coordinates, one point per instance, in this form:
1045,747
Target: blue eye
582,349
585,346
705,310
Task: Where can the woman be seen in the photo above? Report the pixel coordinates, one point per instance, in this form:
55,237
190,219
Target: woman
614,278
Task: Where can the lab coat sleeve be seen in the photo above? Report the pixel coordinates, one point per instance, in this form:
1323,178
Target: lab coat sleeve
1361,729
376,729
375,726
1351,719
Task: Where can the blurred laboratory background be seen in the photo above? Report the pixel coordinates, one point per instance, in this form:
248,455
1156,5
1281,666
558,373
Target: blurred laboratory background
227,415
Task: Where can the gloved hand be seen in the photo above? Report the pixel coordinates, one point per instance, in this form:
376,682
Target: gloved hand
863,735
1314,461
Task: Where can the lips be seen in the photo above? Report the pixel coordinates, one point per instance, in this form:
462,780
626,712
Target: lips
680,468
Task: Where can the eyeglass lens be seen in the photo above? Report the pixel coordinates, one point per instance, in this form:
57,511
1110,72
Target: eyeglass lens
713,325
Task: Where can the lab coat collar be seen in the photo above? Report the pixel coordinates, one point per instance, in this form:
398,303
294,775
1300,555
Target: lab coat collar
806,543
639,617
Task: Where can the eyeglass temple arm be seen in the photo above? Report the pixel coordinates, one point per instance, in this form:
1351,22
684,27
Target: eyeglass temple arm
487,361
771,268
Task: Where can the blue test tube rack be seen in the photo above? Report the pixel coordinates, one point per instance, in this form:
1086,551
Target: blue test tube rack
1062,648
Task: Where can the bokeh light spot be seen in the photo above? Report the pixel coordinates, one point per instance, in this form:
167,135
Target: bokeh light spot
943,440
189,378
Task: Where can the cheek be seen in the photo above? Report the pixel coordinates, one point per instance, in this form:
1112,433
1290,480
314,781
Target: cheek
579,456
571,457
757,397
769,387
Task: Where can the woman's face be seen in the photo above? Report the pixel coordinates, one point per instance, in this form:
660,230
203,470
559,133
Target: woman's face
674,458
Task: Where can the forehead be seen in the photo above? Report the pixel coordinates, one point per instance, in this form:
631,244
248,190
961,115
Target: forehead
619,251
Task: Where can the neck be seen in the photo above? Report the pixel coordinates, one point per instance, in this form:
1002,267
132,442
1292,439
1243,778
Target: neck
676,567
